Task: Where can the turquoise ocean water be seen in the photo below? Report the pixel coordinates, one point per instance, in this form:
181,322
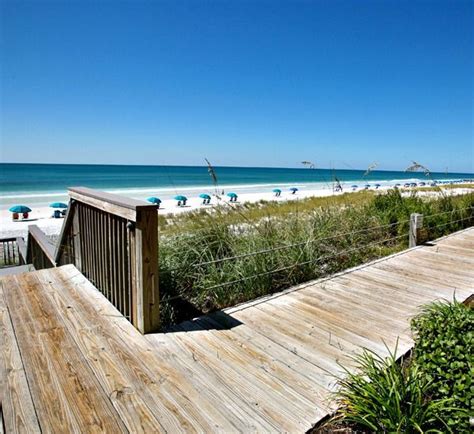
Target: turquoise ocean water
40,184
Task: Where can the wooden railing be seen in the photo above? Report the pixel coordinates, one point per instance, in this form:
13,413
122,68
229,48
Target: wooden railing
113,241
12,252
40,249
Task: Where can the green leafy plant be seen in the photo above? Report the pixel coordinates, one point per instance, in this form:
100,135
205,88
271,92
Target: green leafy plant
444,354
385,395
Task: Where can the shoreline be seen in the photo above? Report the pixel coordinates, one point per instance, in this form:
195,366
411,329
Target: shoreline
42,215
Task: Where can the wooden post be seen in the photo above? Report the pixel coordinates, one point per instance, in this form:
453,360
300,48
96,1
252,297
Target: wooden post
416,223
76,236
145,289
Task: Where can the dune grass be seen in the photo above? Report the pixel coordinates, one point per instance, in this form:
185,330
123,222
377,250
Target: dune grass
296,242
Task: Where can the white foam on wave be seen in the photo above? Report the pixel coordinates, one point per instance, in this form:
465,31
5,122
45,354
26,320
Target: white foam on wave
46,196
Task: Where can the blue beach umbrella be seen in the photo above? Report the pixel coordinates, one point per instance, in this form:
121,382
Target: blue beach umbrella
367,185
276,190
58,205
180,197
354,186
232,194
153,199
293,189
204,196
377,185
19,209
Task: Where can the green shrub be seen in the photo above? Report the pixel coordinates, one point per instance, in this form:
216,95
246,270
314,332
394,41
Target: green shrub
444,352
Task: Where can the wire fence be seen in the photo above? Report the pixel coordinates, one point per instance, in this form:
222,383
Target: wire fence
332,255
290,246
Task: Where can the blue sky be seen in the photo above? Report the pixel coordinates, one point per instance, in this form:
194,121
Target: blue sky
253,83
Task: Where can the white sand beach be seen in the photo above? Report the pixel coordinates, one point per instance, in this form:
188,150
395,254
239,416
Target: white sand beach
42,215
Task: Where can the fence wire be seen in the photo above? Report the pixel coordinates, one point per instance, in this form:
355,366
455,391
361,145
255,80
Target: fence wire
318,259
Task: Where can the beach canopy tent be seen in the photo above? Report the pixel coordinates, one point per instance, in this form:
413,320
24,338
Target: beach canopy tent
276,190
59,205
154,200
20,209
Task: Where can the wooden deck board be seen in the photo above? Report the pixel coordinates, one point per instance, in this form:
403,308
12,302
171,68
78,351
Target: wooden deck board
70,362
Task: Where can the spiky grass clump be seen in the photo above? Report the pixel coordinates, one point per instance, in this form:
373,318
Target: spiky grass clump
390,397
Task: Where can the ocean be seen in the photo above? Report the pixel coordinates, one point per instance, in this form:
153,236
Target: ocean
39,184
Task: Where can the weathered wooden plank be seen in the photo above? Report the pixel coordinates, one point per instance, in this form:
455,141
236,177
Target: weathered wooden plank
111,203
169,396
65,392
15,398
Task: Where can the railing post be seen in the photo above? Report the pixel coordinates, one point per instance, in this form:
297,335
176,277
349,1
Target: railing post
416,223
145,290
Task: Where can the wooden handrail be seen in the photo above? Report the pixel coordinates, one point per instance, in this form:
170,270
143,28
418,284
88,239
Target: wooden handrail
112,203
20,242
12,252
40,249
113,241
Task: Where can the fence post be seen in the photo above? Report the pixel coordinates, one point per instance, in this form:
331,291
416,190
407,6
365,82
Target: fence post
145,286
416,223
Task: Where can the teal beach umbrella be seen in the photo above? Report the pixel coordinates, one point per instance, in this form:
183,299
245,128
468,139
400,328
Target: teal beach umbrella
180,197
204,196
58,205
154,200
276,190
19,209
231,194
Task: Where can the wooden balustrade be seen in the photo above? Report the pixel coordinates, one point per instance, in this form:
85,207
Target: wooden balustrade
12,252
40,249
113,241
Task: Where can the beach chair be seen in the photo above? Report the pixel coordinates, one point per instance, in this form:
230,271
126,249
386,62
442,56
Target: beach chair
56,214
179,203
64,212
25,215
15,216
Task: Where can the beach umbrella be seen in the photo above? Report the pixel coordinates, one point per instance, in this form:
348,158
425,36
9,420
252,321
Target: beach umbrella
293,189
276,190
58,205
180,197
204,196
377,185
20,209
153,199
367,185
231,194
354,186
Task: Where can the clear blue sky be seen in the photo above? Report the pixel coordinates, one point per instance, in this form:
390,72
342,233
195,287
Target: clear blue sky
341,83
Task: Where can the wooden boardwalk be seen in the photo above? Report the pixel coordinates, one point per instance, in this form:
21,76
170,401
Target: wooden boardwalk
70,362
